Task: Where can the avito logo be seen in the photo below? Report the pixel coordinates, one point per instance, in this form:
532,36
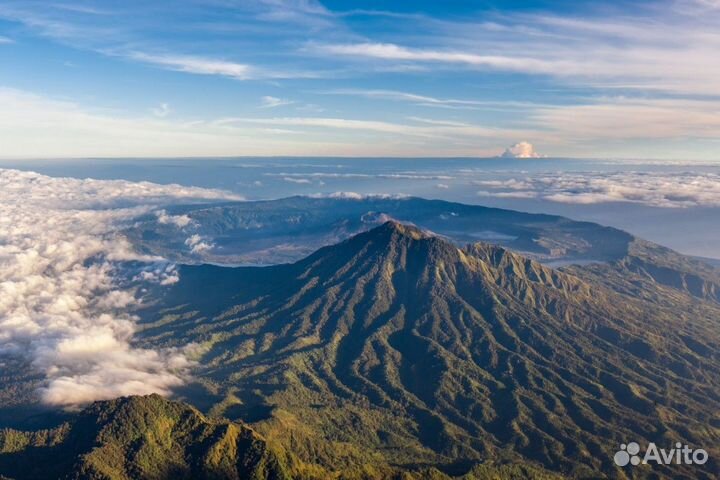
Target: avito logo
680,455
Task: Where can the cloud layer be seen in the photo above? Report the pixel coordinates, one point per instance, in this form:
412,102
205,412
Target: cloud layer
63,304
656,189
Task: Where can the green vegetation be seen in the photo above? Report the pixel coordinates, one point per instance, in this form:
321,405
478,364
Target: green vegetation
398,355
139,437
397,349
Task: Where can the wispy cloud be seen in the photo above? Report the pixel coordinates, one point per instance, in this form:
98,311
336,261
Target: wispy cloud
199,65
438,129
417,99
667,47
273,102
39,127
389,51
6,40
161,110
115,33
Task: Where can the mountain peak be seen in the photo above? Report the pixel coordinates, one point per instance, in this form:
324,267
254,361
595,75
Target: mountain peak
406,229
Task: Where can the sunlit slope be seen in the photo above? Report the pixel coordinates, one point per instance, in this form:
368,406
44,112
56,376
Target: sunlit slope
139,437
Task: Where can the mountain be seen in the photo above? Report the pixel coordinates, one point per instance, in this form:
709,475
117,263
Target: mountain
289,229
398,348
139,437
649,268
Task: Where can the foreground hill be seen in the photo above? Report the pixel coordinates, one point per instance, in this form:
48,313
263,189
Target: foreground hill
139,437
153,438
398,348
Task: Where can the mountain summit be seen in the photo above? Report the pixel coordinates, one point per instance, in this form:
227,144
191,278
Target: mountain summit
398,347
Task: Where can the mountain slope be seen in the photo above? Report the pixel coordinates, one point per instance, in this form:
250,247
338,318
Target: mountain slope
139,437
649,269
398,347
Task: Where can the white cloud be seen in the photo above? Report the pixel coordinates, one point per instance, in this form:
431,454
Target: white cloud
439,129
198,243
161,110
6,40
389,51
33,126
180,221
512,184
272,102
400,175
521,150
417,99
657,189
199,65
63,305
302,181
670,46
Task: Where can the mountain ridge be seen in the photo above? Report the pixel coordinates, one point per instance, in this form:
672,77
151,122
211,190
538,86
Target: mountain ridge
398,347
285,230
139,437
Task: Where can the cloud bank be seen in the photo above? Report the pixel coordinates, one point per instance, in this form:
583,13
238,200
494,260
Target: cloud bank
63,304
656,189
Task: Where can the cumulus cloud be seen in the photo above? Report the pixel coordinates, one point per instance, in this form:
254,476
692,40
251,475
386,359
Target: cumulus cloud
657,189
64,303
180,221
521,150
198,243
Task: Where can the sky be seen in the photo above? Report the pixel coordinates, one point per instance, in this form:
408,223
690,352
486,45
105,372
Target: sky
188,78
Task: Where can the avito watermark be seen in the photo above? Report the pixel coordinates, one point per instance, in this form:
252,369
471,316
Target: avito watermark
629,454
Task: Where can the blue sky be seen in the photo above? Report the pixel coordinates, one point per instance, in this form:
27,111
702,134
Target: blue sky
359,78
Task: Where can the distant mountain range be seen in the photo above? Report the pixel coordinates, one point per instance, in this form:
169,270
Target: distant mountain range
396,347
286,230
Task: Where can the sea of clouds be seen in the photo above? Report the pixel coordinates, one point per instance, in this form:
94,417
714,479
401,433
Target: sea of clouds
655,189
64,305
